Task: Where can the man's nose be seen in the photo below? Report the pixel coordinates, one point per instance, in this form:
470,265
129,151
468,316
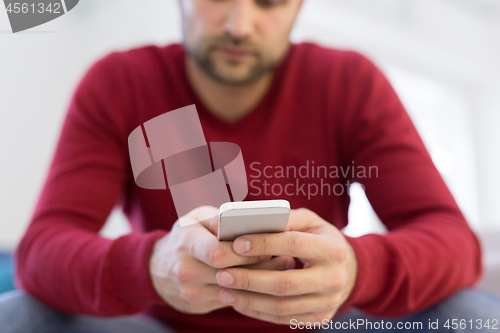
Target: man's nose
241,19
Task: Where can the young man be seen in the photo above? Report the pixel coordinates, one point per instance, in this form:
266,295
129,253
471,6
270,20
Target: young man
287,106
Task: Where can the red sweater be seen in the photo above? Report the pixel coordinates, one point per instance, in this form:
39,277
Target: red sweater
325,108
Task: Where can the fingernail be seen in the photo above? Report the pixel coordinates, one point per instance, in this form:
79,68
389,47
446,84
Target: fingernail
227,297
224,279
241,245
238,308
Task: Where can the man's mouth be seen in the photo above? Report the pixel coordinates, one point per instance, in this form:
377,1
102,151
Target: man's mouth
235,53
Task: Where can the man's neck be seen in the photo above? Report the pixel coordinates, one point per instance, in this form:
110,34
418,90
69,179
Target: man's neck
229,103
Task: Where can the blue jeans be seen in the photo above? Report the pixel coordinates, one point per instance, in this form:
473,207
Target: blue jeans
469,310
20,313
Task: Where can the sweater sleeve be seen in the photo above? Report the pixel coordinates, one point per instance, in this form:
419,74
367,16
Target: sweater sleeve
61,260
429,252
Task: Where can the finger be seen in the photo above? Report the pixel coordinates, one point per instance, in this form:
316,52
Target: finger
191,270
285,320
205,247
203,216
275,264
212,223
304,220
279,305
281,283
289,243
205,308
197,293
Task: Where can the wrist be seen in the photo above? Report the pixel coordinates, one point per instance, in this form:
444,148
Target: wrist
372,269
155,260
128,264
352,269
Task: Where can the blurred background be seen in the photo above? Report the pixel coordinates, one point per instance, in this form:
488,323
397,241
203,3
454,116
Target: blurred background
442,57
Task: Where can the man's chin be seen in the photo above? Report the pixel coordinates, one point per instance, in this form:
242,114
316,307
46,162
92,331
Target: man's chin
237,81
231,73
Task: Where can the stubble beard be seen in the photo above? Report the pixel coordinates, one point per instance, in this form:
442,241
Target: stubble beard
201,54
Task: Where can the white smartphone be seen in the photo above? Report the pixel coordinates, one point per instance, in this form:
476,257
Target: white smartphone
252,217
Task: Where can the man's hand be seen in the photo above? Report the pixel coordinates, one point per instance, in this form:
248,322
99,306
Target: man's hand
310,294
184,263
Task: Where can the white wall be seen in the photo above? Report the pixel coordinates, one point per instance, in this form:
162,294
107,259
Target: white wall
39,69
446,50
443,58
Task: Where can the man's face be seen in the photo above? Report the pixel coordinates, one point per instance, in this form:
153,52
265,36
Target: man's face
236,42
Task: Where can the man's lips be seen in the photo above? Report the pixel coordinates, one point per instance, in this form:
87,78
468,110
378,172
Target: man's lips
235,53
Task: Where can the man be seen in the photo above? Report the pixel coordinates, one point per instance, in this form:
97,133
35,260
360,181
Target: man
286,106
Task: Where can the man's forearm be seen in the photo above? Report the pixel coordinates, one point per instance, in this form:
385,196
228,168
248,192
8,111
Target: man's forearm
415,266
76,271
